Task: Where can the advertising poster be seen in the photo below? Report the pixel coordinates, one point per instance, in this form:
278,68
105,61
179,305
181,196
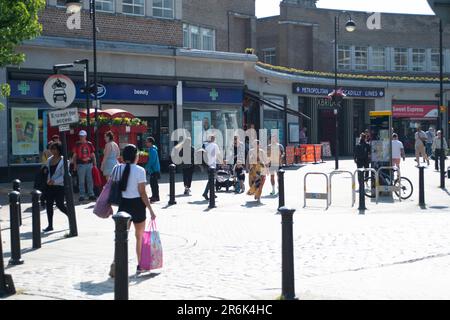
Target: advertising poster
201,123
25,135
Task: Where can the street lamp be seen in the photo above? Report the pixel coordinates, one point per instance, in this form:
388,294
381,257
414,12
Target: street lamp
441,104
87,91
75,6
350,26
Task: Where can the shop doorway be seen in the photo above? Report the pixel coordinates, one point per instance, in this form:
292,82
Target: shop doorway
327,128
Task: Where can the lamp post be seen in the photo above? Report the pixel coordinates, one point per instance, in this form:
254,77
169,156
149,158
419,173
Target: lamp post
87,91
441,104
350,26
75,6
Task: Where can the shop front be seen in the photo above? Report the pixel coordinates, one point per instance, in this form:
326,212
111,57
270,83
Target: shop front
27,116
408,115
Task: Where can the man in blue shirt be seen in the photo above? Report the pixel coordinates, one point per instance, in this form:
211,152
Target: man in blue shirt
153,168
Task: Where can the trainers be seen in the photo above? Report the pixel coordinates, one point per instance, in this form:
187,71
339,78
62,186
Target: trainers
206,197
186,192
48,229
272,193
139,270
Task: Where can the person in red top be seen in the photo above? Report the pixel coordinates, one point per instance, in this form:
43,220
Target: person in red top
83,161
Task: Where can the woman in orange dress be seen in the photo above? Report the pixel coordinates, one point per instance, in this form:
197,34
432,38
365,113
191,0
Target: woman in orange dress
257,162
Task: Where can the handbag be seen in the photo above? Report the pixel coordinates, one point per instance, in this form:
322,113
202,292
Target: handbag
115,194
96,177
102,207
151,252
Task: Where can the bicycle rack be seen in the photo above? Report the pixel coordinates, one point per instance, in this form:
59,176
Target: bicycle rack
392,188
317,196
332,174
364,170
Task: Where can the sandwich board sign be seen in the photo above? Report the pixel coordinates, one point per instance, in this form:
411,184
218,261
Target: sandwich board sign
59,91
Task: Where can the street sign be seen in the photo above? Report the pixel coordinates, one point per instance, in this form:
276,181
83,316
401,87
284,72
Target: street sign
59,91
63,117
64,128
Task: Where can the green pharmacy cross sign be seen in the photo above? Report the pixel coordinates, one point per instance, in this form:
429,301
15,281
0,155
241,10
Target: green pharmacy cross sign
23,87
214,94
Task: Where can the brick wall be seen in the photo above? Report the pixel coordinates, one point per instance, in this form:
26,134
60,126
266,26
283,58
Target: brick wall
115,27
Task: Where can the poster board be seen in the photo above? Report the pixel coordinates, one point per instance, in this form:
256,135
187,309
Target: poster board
294,133
326,149
25,131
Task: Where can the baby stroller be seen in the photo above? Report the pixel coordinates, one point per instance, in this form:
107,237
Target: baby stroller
224,177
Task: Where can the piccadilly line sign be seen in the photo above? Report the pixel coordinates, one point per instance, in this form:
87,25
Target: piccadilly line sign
350,92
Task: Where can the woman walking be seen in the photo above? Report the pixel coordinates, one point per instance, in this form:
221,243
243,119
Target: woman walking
134,196
257,160
112,153
54,192
188,165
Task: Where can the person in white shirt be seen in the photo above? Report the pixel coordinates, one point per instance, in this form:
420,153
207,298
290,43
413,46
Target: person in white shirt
421,139
398,151
213,154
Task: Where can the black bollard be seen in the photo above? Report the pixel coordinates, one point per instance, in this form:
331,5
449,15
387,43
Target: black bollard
280,188
36,215
14,198
16,185
172,169
121,256
422,186
362,196
212,188
287,264
6,282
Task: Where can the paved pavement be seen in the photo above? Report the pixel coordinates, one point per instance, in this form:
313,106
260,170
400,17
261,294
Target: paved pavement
394,251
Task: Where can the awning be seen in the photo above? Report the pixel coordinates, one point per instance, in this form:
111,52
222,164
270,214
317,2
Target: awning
256,97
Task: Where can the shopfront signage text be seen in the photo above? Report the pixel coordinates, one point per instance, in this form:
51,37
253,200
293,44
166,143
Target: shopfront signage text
63,117
301,89
415,111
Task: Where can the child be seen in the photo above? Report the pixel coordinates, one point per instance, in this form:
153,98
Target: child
240,176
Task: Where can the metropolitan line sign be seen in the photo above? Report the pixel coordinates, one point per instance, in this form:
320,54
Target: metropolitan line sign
63,117
350,92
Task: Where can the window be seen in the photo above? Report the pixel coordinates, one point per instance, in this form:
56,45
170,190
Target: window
400,59
195,37
269,56
361,58
344,58
163,8
419,59
378,59
134,7
61,3
435,60
104,5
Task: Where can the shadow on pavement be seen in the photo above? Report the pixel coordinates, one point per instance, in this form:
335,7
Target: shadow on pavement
136,279
97,289
199,202
253,204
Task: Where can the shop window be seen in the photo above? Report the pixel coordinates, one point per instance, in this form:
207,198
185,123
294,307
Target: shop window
105,5
435,60
269,56
163,8
361,58
378,59
419,60
133,7
344,57
61,3
400,59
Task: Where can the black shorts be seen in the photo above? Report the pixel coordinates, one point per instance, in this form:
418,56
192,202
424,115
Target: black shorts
240,174
135,208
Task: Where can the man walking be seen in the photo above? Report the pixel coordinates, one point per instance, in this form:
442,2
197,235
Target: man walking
421,139
153,168
83,161
436,147
276,155
398,151
430,139
362,153
212,153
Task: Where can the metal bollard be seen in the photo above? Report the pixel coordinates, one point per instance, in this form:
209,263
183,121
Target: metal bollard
172,169
121,220
16,187
6,281
14,204
36,216
212,188
287,264
362,196
422,186
280,188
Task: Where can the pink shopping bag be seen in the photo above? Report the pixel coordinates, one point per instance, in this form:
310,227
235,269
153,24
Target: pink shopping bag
102,207
151,252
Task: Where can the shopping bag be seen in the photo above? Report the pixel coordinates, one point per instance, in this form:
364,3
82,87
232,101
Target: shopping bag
151,252
102,207
115,194
96,177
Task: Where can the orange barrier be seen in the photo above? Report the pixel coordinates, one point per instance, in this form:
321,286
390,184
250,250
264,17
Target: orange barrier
305,153
290,155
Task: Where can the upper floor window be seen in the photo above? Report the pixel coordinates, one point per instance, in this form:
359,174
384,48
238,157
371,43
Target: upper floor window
269,56
419,58
61,3
378,59
435,60
199,38
134,7
163,8
400,59
344,57
104,5
361,58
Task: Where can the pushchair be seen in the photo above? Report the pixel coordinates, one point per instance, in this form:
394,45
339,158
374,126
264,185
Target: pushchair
224,177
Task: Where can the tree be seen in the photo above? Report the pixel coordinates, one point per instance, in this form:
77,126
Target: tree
18,22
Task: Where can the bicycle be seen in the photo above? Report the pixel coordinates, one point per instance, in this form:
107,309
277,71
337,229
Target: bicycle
403,186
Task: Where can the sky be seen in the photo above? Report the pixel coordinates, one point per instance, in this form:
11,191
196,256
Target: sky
265,8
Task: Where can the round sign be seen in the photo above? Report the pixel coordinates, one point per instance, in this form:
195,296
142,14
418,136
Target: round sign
59,91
